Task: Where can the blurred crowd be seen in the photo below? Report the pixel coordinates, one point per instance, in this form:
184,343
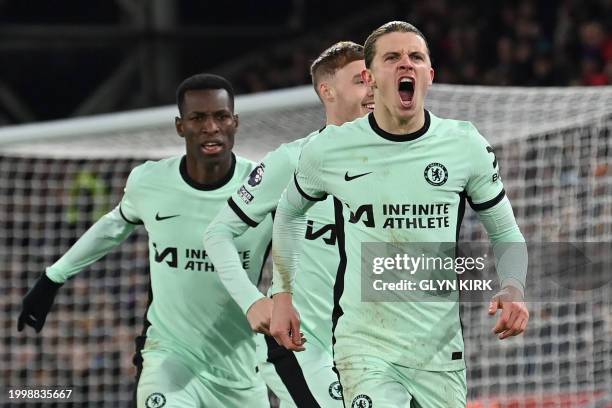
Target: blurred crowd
270,45
87,343
510,42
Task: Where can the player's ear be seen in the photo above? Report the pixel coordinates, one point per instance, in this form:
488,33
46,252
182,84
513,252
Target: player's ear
327,92
178,125
367,77
431,75
236,120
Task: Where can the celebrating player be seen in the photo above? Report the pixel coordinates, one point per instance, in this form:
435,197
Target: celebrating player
396,354
199,350
306,379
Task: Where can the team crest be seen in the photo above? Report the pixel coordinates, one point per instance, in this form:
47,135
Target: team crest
335,390
155,400
436,174
362,401
256,175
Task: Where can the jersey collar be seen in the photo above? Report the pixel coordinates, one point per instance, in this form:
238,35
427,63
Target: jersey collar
399,138
206,187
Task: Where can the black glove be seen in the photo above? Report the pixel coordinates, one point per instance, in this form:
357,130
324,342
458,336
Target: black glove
37,303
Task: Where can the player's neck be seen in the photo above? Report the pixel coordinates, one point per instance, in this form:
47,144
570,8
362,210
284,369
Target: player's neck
333,117
208,172
399,126
333,121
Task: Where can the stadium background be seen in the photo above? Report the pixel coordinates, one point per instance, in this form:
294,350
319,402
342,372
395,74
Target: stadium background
84,58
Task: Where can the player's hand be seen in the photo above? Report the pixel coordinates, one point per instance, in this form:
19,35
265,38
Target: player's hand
285,324
514,317
260,314
37,303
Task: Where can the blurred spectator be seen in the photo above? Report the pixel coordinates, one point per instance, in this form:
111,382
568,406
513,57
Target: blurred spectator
512,42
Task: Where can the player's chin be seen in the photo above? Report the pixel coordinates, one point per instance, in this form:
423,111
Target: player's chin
407,109
403,112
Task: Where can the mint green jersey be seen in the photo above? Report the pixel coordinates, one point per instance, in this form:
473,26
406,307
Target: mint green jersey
191,313
258,197
390,188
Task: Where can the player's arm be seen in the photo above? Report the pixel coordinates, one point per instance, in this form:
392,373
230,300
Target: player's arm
486,195
108,232
511,263
253,201
220,247
289,228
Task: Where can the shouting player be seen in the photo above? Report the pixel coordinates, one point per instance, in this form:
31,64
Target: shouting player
304,379
396,354
199,350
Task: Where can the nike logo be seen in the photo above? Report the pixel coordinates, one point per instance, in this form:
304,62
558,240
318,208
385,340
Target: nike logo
349,178
159,218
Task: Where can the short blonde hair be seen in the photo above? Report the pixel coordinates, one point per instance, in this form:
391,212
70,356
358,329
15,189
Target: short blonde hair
334,58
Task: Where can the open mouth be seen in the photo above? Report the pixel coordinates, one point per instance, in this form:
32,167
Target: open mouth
211,147
406,90
368,106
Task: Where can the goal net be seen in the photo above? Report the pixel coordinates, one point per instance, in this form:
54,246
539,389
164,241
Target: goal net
57,178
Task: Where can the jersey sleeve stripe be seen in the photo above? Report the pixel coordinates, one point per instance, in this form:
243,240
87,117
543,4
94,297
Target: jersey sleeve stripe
128,220
304,194
487,204
245,218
